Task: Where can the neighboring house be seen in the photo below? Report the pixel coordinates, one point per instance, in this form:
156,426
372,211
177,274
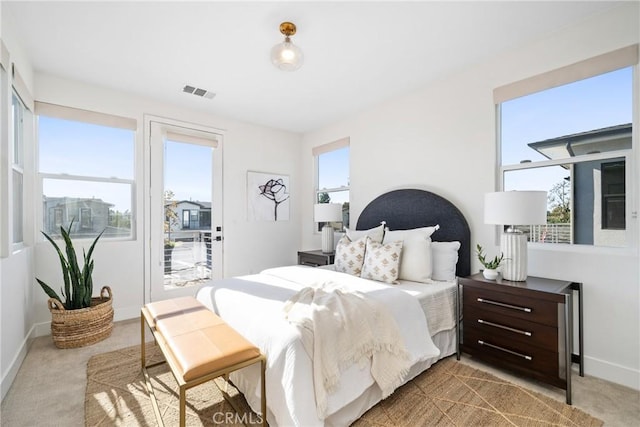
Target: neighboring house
190,215
89,215
598,190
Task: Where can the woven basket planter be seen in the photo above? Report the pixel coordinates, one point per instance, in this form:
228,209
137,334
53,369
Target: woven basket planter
85,326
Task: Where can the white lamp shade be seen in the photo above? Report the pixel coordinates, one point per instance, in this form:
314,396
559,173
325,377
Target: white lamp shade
327,212
515,208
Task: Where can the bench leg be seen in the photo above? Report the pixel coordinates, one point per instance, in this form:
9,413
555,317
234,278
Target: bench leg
182,407
263,392
142,346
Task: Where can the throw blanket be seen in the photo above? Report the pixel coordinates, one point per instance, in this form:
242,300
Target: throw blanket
340,329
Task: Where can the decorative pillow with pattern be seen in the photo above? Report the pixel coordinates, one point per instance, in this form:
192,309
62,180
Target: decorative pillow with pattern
350,255
382,261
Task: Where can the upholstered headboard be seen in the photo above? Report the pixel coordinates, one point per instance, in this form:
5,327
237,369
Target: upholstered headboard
413,208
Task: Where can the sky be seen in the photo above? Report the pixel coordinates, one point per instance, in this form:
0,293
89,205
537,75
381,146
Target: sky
188,171
334,173
83,149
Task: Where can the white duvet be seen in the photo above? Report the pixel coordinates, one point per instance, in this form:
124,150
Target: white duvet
253,305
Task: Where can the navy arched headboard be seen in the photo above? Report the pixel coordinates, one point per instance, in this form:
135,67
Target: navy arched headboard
413,208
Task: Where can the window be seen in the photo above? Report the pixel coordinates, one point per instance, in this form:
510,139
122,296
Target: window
85,219
332,178
186,219
205,219
613,195
17,168
572,140
87,171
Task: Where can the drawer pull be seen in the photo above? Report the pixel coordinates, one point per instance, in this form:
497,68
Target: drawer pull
501,304
508,328
524,356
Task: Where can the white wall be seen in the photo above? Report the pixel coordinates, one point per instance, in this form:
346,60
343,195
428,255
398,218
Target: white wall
442,138
248,247
16,269
16,280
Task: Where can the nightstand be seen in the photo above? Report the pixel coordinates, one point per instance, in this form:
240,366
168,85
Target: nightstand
526,327
315,258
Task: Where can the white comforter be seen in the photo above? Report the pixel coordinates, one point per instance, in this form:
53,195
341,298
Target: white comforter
254,304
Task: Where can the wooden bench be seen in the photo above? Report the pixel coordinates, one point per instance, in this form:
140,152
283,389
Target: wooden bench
198,347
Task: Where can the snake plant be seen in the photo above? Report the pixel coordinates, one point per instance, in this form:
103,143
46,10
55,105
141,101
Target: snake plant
78,284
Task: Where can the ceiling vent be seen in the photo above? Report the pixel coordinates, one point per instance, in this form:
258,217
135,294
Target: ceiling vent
197,91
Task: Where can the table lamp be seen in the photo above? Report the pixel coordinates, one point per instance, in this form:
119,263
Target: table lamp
515,208
327,212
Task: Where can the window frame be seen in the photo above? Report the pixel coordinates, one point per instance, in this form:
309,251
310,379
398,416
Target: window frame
17,167
517,89
60,112
317,152
609,155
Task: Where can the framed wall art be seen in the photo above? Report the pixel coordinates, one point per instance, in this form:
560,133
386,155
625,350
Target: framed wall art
267,196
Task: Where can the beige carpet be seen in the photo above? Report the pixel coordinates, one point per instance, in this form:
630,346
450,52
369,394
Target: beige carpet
450,393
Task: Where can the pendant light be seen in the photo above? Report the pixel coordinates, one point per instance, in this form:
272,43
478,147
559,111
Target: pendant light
287,56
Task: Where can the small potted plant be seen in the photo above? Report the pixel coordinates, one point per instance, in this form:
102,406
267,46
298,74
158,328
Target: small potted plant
79,319
490,271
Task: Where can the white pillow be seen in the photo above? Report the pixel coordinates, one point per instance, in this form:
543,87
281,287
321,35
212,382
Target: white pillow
376,233
445,258
350,255
415,264
382,261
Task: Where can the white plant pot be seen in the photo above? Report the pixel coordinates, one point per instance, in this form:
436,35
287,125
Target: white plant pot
490,274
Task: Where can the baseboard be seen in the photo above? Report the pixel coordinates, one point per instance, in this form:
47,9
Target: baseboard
618,374
10,375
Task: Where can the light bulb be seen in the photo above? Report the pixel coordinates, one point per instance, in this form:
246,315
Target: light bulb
288,54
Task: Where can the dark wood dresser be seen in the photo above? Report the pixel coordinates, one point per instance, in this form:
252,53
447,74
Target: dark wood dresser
526,327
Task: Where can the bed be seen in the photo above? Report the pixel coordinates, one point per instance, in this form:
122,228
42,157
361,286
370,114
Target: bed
424,312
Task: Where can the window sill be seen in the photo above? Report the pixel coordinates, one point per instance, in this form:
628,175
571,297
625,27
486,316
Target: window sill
584,249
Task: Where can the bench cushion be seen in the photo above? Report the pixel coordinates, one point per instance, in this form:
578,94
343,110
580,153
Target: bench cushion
172,307
200,341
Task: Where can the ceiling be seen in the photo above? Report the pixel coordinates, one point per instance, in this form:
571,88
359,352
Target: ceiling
356,53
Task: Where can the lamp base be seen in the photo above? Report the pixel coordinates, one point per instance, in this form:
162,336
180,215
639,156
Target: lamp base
514,248
327,239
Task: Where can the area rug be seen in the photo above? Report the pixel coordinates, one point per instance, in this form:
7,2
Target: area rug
450,393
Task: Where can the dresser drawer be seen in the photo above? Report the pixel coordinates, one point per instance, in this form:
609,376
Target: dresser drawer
510,352
503,304
512,328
